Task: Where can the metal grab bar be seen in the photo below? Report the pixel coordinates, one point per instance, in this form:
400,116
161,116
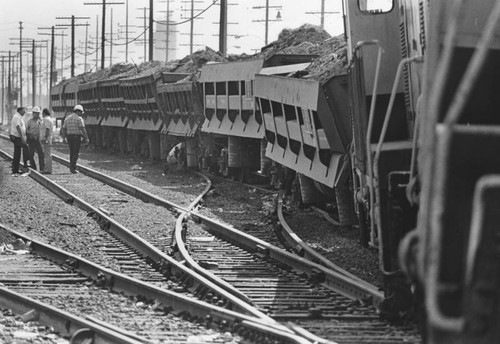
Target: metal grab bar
436,316
375,207
369,130
474,68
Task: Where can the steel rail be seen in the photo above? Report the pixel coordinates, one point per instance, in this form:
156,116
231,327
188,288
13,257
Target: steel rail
354,288
168,265
122,283
331,279
304,250
63,322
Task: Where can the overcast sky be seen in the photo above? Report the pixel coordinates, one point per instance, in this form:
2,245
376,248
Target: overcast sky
241,16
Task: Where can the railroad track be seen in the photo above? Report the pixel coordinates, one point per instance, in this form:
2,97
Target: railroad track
200,289
316,292
176,274
103,297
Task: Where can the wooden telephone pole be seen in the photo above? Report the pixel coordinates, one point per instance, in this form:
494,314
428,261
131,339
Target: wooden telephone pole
72,18
103,29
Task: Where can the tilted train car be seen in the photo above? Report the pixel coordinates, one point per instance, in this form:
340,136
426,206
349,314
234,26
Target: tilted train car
308,132
56,101
144,123
230,113
70,96
181,110
113,115
232,116
88,98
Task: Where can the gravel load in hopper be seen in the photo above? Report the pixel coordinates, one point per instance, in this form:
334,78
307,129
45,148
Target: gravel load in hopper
311,39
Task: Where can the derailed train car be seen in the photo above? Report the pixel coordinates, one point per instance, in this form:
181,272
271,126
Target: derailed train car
232,116
308,134
181,111
113,115
142,113
89,99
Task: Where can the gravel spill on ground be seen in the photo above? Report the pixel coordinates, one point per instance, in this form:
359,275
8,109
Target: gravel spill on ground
14,330
27,207
176,186
337,243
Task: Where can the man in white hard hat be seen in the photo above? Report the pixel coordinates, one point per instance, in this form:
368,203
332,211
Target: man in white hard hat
74,129
33,139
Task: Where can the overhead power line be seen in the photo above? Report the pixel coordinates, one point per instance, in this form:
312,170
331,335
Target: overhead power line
189,19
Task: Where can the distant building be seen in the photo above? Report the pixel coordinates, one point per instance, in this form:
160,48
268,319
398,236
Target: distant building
160,42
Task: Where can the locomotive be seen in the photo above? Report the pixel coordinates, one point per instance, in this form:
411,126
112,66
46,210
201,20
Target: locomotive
402,137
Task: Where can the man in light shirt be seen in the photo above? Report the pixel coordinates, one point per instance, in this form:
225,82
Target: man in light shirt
18,137
46,130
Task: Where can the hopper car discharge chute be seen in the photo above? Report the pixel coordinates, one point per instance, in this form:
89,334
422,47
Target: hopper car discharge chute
56,101
70,96
141,108
180,106
232,120
307,127
232,116
113,115
88,98
228,99
181,111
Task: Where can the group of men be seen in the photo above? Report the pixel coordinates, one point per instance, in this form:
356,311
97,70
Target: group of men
32,134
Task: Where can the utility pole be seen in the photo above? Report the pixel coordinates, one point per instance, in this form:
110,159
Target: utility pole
144,41
6,105
168,31
111,41
126,32
151,18
33,71
97,41
53,35
322,13
191,32
103,29
72,37
3,87
20,77
267,20
21,62
62,57
191,22
86,46
223,28
9,82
